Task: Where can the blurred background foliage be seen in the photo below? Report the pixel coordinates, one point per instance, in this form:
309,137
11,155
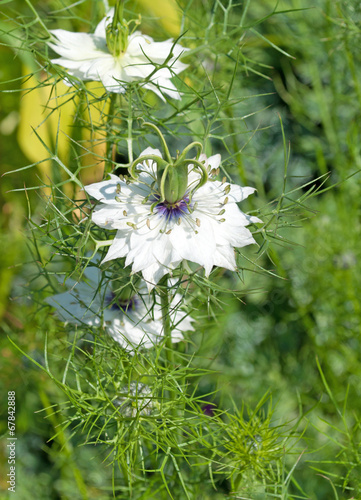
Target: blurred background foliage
298,336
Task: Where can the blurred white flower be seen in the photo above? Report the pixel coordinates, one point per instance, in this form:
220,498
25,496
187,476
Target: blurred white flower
115,57
138,400
203,226
132,322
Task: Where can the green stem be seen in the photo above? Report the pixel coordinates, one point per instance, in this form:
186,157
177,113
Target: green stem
130,125
167,328
38,18
236,482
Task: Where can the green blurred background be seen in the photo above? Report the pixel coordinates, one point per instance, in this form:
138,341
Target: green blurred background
311,314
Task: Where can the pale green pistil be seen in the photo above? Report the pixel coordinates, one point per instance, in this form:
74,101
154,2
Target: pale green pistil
117,38
172,173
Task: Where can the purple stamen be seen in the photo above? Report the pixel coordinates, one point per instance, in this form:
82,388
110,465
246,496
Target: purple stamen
173,211
125,306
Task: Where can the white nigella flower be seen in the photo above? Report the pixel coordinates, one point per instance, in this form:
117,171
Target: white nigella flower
115,56
132,321
157,227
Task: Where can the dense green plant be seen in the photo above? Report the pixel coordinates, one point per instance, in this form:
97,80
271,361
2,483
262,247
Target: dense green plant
262,399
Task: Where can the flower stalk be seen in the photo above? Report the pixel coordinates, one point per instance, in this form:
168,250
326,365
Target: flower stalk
170,353
167,328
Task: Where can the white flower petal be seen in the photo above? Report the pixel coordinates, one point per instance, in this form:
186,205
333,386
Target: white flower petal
149,166
164,251
105,191
100,30
119,248
238,193
107,71
224,257
154,273
80,305
110,217
151,151
78,46
214,161
197,247
92,274
163,86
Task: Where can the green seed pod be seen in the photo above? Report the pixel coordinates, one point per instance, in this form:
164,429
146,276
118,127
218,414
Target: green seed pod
117,38
174,183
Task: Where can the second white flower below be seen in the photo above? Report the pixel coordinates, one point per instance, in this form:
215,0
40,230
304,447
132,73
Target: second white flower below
134,322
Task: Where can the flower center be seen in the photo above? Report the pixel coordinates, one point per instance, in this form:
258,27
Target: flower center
124,305
173,211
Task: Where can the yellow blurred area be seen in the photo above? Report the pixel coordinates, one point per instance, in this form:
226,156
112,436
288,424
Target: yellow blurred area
50,111
167,12
36,114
